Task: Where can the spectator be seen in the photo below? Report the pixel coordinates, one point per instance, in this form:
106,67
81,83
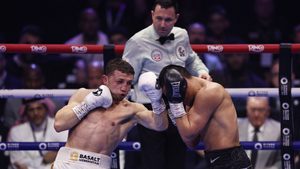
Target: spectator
85,74
94,74
274,82
18,63
77,78
219,26
33,78
139,10
115,14
197,34
265,26
30,34
90,34
38,128
238,73
118,36
258,112
194,10
7,81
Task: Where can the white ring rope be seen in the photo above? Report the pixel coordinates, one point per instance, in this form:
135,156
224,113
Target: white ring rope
36,93
66,93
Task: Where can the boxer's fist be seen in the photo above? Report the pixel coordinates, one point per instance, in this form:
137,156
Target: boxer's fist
147,84
175,88
101,97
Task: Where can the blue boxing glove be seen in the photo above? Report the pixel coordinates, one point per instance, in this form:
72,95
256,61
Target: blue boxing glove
175,87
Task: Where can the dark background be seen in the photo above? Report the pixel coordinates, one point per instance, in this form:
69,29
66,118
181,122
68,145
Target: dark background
58,18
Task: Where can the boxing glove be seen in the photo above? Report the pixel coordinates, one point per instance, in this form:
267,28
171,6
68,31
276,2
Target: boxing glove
147,84
175,87
101,97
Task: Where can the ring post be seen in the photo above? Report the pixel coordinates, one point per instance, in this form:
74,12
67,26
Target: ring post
115,156
286,106
108,53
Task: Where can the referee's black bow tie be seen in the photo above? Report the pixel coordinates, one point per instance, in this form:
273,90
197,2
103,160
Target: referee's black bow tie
163,39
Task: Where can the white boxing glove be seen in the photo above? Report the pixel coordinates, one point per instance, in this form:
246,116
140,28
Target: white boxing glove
147,85
101,97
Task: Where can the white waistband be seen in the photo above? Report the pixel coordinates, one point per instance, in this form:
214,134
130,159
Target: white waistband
83,157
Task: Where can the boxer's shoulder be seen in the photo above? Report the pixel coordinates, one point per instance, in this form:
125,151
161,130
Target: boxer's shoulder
131,107
125,105
134,106
211,87
210,91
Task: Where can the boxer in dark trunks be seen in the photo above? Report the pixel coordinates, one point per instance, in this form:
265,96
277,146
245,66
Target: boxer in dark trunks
203,110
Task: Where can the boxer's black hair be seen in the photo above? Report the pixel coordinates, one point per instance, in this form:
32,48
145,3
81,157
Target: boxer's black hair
162,76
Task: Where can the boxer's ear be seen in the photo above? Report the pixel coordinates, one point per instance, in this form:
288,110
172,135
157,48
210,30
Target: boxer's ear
104,79
177,16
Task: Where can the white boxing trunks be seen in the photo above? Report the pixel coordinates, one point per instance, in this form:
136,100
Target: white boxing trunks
70,158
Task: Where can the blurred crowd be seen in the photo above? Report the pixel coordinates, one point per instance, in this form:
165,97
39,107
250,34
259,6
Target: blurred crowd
106,22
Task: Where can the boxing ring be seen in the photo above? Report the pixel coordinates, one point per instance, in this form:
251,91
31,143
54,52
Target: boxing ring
285,92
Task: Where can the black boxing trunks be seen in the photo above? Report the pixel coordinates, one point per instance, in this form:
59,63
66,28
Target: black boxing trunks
230,158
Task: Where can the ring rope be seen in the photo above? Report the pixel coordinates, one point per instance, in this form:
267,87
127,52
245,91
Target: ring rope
66,93
285,91
16,146
81,49
134,146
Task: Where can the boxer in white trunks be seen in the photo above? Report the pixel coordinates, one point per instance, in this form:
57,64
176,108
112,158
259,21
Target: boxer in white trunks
99,120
